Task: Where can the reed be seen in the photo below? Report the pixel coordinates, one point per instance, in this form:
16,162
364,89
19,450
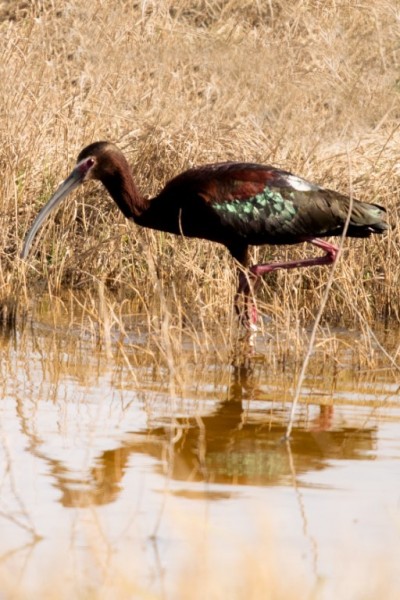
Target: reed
308,86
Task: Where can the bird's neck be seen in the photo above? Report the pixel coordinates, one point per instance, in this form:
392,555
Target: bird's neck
124,192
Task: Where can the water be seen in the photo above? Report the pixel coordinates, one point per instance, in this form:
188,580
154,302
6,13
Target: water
129,469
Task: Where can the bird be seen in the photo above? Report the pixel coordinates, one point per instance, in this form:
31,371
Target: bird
236,204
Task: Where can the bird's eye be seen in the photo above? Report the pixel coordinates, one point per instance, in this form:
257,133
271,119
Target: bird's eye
90,162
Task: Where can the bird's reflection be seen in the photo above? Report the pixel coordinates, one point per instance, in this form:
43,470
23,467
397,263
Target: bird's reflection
243,445
239,443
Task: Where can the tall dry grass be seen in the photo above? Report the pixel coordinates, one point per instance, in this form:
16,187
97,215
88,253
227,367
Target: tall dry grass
306,85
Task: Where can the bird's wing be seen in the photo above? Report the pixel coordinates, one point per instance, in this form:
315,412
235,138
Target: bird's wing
263,204
258,200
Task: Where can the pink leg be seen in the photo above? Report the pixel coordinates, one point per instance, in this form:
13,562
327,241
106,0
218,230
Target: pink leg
244,305
248,281
327,259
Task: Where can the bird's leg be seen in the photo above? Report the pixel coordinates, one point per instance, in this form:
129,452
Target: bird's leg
244,299
249,280
328,259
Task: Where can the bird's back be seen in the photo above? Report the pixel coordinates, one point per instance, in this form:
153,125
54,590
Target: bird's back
259,204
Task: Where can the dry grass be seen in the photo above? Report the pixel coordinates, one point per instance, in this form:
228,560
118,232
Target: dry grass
309,86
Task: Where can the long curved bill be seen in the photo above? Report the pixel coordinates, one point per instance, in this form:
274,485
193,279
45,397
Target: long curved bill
73,181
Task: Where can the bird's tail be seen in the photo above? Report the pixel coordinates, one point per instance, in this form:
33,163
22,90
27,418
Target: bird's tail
366,219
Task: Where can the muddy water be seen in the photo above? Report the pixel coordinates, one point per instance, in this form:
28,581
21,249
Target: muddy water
131,470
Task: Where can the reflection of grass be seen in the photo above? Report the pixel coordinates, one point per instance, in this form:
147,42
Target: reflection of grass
162,337
176,84
144,570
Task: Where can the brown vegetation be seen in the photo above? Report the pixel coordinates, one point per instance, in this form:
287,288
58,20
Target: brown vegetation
311,86
308,86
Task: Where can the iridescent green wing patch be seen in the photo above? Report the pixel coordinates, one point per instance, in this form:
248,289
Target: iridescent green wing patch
263,206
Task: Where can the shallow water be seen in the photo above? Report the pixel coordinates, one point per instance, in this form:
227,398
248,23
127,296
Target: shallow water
133,469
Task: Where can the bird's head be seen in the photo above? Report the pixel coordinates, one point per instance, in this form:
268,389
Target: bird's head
97,161
94,162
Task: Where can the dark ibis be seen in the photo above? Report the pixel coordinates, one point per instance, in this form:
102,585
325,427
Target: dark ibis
232,203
